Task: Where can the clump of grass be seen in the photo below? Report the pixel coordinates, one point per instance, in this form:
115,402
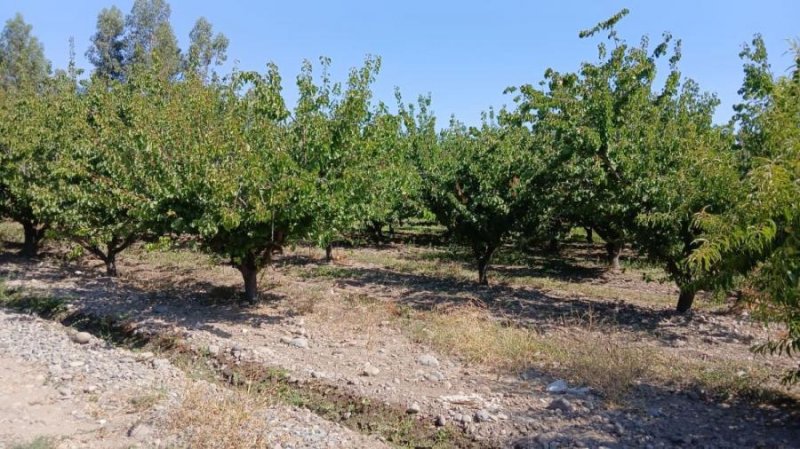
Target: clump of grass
146,401
305,300
38,443
470,333
210,418
45,306
723,379
605,365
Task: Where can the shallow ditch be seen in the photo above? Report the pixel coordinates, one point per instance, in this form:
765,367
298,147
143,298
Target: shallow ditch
389,423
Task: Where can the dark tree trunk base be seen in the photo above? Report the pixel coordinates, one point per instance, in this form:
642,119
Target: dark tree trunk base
329,253
613,251
33,236
250,277
484,257
685,301
111,266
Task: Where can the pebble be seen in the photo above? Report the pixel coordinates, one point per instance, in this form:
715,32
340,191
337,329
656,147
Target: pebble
428,360
82,337
482,416
558,387
161,364
369,370
440,421
413,409
434,376
297,342
561,404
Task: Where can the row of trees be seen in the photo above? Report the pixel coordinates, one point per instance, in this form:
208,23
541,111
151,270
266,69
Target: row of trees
154,144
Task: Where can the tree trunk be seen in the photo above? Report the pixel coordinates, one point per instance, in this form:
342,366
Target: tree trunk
685,299
483,266
30,247
249,271
111,264
376,231
329,253
589,235
553,246
613,251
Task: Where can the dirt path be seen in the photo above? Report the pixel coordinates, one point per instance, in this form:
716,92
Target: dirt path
66,390
31,408
350,349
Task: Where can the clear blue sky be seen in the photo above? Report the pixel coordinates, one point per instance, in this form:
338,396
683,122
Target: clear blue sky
463,52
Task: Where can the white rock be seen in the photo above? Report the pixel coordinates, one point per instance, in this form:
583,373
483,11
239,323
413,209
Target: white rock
298,342
82,337
558,387
463,399
428,360
413,409
369,370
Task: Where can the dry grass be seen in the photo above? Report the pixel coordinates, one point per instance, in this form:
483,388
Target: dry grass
606,362
591,359
210,418
146,400
37,443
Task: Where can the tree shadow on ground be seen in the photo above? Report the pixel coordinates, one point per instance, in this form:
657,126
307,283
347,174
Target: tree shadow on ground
188,303
660,417
527,306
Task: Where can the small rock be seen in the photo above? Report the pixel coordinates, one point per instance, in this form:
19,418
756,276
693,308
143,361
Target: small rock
213,349
65,392
428,360
413,408
558,387
144,356
434,376
369,370
482,416
90,389
440,421
140,432
161,364
76,364
82,337
298,342
561,404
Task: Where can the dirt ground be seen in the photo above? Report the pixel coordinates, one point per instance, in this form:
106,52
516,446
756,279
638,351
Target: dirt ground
367,325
